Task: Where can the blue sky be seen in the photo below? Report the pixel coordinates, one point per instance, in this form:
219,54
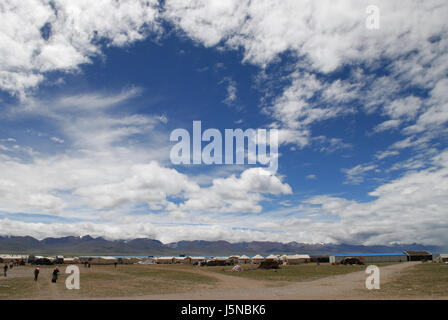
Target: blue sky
89,94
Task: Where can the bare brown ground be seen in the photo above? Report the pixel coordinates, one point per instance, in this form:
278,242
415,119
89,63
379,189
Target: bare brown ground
345,287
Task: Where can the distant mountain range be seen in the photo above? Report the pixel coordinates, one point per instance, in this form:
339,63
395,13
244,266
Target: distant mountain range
148,247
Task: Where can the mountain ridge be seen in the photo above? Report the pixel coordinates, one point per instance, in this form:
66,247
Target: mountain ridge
88,245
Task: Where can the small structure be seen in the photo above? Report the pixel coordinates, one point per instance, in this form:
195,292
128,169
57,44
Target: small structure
320,258
182,259
42,260
370,257
272,257
244,259
58,260
269,264
128,260
149,260
443,258
257,259
165,260
237,268
8,258
196,260
234,259
102,260
74,260
418,255
219,261
295,259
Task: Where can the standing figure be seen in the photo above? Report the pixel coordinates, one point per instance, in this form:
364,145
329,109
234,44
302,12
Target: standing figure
55,275
5,269
36,273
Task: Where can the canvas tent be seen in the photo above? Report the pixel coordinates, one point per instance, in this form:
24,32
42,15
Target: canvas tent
149,260
197,259
42,260
234,258
218,261
237,268
443,258
295,259
257,259
244,259
73,260
182,259
7,258
165,260
102,260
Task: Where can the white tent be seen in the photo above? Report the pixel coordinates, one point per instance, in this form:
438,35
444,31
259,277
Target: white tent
237,268
257,259
148,261
182,259
296,259
103,260
244,259
165,260
73,260
197,259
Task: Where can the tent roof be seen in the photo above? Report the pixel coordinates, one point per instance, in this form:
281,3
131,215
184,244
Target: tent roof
417,253
257,257
368,254
298,256
244,257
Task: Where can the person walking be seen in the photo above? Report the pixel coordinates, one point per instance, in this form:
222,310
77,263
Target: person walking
115,264
55,275
5,269
36,273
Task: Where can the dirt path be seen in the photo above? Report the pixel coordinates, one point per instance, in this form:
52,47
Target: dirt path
347,286
227,281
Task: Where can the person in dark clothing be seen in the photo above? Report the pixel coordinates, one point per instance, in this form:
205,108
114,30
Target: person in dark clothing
55,275
5,269
115,264
11,265
36,273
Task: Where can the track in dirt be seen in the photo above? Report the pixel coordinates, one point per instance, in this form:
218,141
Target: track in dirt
347,286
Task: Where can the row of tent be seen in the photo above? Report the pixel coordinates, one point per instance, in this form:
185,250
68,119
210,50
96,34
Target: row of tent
41,260
234,259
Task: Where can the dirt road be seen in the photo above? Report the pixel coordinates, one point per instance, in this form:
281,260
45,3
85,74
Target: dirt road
347,286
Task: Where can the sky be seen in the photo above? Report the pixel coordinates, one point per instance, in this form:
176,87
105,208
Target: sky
90,92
